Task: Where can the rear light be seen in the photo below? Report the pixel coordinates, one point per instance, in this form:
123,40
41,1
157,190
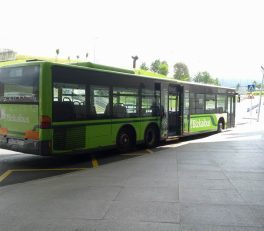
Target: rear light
45,122
3,131
33,135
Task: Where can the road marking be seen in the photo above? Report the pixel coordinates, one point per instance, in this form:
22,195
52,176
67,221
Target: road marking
48,169
5,175
95,163
132,154
149,151
10,171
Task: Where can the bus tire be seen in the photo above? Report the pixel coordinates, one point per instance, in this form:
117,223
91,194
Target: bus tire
125,140
220,125
151,138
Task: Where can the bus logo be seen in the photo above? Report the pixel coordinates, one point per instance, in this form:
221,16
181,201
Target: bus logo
200,123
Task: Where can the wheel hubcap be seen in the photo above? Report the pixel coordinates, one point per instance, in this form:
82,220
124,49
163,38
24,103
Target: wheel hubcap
125,139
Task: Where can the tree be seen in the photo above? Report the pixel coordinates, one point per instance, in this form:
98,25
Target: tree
217,82
159,67
181,72
144,66
163,68
155,66
205,77
258,85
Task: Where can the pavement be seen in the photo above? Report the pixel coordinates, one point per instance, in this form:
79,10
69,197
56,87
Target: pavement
215,183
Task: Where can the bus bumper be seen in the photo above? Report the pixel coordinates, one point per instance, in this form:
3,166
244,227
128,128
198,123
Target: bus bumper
26,146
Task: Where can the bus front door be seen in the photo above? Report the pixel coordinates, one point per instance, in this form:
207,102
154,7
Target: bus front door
175,110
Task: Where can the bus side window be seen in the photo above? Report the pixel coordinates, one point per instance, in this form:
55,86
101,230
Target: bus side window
199,104
150,102
119,111
192,103
221,103
210,103
99,102
125,102
69,98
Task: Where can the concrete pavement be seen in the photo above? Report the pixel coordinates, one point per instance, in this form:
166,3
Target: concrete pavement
215,183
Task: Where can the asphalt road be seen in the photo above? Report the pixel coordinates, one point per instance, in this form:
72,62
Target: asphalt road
20,167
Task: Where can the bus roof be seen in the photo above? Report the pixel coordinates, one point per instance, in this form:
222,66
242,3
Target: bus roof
116,70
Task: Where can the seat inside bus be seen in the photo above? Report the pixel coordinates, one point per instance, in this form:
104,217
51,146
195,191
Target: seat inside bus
63,111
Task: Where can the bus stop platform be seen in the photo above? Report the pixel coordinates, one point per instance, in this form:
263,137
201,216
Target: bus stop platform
214,183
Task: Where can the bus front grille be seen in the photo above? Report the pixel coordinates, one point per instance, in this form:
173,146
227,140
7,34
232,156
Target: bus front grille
69,138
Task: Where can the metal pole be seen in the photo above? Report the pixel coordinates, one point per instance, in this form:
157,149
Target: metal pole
251,105
261,89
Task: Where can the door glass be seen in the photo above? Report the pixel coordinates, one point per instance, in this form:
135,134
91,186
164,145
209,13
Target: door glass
174,118
172,103
228,105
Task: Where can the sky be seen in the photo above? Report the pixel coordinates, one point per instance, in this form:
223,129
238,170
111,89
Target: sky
223,37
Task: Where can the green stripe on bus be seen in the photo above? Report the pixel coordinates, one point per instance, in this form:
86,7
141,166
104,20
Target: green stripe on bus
88,123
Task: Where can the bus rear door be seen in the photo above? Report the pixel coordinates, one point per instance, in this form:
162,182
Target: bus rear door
175,110
231,111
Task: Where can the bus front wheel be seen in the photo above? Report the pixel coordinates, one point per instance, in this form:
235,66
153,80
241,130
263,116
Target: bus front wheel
124,140
151,137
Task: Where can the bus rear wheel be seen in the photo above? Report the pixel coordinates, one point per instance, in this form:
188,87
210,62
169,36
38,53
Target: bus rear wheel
124,140
220,126
151,137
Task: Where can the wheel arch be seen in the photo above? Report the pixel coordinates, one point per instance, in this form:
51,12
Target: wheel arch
131,129
154,125
222,121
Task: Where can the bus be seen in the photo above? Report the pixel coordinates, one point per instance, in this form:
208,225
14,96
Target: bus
50,109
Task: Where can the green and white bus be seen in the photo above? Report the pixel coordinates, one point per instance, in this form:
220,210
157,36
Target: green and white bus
50,109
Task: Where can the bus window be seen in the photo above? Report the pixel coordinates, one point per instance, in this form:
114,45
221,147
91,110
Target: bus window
221,103
150,102
19,84
199,104
192,103
69,92
69,99
125,102
210,103
99,101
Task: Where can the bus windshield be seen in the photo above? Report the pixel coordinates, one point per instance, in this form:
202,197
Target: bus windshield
19,84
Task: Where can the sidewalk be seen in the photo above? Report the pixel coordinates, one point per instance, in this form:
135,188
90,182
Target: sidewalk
215,183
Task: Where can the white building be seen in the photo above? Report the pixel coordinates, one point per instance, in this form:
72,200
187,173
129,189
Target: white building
7,55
